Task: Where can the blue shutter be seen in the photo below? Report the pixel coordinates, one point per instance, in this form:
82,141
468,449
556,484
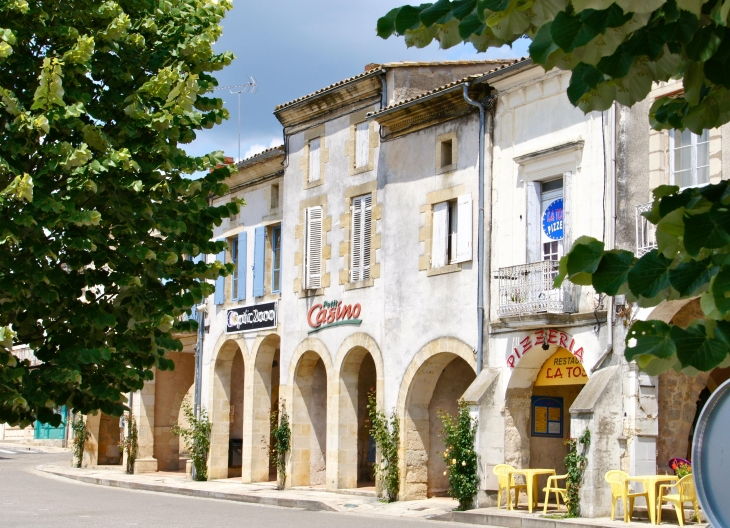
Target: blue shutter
242,265
258,262
220,282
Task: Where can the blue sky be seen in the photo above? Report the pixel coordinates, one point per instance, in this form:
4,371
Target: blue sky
294,47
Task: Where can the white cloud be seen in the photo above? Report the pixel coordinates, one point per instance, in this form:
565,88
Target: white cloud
258,148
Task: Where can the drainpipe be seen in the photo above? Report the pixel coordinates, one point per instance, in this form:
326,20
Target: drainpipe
480,229
609,159
383,91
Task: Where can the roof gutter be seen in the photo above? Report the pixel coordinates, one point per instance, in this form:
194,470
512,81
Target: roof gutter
481,257
513,68
417,101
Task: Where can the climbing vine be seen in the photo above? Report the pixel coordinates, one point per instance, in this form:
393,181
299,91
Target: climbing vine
459,435
197,438
281,433
81,435
575,464
386,433
129,444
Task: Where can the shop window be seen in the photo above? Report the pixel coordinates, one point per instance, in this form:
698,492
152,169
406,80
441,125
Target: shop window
276,259
360,243
451,241
689,158
313,248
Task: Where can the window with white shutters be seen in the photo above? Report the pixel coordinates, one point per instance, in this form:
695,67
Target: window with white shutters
314,159
451,241
313,249
362,144
360,243
689,158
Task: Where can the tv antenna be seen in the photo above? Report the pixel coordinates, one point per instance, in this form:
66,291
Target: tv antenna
251,86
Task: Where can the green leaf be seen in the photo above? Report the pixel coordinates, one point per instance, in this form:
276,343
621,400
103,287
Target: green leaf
612,272
584,256
650,275
433,14
721,290
386,24
570,31
408,17
709,230
542,45
649,338
696,349
690,276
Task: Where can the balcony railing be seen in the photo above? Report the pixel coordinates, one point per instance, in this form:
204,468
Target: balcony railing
645,231
528,289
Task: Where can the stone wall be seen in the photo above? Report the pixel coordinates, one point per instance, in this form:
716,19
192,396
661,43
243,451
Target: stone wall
318,410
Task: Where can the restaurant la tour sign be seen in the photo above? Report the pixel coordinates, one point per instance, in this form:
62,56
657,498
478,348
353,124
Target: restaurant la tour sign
249,318
563,368
333,313
543,338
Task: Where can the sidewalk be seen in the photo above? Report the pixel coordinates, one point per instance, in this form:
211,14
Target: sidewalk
263,493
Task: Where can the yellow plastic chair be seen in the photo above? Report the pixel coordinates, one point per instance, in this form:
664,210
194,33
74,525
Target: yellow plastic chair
685,493
620,490
507,484
552,487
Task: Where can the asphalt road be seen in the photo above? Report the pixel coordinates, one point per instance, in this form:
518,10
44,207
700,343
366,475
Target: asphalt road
31,498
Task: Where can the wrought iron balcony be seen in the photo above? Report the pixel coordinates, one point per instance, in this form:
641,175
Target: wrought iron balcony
528,289
645,231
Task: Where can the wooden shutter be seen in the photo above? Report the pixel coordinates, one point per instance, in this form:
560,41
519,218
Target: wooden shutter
362,144
242,244
314,160
360,239
439,241
220,283
313,257
259,261
464,229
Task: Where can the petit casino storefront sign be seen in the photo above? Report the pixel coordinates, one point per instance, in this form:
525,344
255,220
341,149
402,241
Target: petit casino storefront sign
550,336
333,313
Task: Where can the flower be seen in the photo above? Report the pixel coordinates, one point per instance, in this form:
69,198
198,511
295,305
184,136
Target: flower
453,461
444,473
463,463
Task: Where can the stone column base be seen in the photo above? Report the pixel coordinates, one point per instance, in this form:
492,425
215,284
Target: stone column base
145,465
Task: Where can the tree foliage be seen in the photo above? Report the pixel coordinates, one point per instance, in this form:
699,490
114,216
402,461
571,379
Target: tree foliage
98,214
692,260
462,462
615,49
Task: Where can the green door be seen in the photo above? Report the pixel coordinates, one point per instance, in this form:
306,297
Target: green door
44,431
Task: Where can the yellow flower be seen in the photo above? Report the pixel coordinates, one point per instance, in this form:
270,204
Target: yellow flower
463,463
453,461
444,473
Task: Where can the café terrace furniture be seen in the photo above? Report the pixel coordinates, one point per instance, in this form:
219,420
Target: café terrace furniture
685,493
552,487
650,484
619,482
507,483
531,476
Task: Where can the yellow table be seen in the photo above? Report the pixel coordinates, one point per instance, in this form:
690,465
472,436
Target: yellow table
531,481
650,483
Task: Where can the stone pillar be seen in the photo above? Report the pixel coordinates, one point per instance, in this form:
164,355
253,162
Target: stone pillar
144,415
91,447
257,418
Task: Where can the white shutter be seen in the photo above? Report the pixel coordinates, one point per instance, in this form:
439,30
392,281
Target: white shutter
356,260
439,241
464,229
362,144
360,240
313,257
314,160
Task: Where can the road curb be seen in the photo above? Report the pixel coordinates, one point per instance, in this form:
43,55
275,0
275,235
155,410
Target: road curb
304,504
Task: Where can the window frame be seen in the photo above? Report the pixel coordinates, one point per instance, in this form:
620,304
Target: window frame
365,233
274,249
693,159
234,261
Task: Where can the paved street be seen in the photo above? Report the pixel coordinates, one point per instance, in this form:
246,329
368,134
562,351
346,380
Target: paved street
31,498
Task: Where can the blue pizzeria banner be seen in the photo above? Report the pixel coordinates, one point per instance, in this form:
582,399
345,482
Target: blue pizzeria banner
552,220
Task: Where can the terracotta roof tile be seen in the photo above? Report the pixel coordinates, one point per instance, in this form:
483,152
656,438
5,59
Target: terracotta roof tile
260,154
372,71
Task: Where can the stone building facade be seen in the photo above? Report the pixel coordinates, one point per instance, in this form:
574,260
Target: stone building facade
360,249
